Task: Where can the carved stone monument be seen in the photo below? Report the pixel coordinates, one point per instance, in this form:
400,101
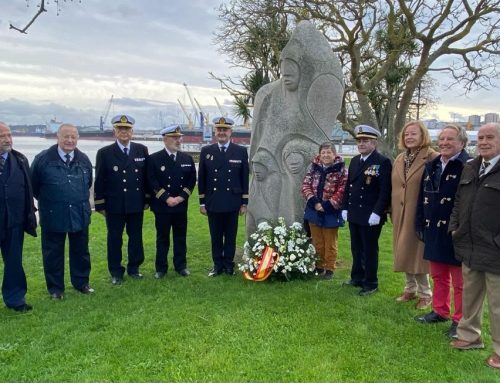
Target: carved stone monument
292,117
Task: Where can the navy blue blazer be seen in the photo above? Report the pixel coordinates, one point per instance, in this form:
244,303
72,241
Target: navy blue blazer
167,178
120,180
368,188
223,178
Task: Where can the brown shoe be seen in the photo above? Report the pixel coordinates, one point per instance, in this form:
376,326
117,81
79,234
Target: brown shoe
423,303
461,344
493,361
406,297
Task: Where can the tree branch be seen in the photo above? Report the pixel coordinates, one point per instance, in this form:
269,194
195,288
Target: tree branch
40,11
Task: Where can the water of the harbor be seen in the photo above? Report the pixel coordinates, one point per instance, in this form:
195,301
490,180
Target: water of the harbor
31,146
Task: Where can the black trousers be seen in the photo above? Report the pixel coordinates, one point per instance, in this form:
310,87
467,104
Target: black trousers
53,259
116,223
364,248
223,229
178,223
14,280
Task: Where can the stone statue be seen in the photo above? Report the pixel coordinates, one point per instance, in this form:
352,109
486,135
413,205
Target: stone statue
292,117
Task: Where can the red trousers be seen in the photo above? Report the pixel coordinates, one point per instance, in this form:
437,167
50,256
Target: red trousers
443,277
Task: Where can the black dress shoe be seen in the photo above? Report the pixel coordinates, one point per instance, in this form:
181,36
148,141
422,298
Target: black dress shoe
160,274
116,281
431,317
328,275
230,272
57,296
452,331
365,291
136,275
352,283
185,273
22,308
86,289
214,272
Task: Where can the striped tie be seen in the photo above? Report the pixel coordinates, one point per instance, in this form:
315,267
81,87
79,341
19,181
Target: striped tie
2,164
68,159
482,170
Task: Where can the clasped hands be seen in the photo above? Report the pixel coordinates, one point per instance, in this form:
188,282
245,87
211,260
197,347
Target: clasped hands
174,201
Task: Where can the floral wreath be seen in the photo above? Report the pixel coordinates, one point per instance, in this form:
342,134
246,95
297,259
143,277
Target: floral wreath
277,249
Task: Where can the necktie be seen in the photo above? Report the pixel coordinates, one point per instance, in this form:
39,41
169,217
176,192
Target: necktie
361,161
172,156
68,159
222,149
2,164
125,150
484,165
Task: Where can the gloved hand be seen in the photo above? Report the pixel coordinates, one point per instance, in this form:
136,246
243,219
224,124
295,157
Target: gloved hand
344,215
374,219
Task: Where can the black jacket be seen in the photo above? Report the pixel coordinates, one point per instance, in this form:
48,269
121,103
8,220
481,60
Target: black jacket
120,180
167,178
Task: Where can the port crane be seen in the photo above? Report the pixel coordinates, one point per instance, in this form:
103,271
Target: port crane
188,116
195,110
104,115
223,114
205,115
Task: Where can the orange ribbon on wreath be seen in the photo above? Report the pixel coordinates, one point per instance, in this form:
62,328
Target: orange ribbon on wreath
266,263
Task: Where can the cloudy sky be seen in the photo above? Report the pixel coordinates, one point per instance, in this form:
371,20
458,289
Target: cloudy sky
141,52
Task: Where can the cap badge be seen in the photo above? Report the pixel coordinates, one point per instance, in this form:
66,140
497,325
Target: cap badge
123,119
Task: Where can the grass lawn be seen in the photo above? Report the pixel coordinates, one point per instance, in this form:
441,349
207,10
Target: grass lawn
225,329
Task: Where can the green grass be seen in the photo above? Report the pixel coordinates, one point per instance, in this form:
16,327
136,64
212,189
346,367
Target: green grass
225,329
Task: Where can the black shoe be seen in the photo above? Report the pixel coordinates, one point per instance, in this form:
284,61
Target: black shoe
230,272
57,296
22,308
368,291
86,289
352,283
328,275
135,275
319,271
160,274
452,331
214,272
116,281
184,273
431,317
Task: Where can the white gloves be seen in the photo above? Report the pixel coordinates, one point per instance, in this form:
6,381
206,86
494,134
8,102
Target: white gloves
374,219
344,215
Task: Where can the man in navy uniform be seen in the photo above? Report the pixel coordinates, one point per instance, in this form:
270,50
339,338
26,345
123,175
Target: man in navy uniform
366,200
17,215
61,178
171,177
223,191
120,195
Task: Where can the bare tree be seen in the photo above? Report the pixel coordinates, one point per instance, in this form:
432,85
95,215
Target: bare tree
388,49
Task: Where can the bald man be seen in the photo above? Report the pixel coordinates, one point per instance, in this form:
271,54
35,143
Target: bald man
17,215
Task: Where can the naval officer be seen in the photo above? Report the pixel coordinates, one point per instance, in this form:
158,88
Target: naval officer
366,200
171,177
120,195
223,191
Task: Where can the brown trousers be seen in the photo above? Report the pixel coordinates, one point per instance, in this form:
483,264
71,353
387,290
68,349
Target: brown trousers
325,241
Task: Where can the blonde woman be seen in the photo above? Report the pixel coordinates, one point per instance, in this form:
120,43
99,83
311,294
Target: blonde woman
408,250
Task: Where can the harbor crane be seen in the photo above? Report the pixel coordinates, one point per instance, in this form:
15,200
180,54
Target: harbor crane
205,115
188,116
223,114
195,110
104,115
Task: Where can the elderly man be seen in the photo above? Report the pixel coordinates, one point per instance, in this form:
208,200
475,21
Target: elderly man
223,188
475,227
366,200
171,176
439,185
61,178
120,195
17,215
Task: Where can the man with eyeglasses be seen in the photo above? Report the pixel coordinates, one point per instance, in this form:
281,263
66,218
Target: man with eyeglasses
437,194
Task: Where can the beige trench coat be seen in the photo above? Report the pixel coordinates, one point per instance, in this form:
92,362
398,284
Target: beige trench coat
407,249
